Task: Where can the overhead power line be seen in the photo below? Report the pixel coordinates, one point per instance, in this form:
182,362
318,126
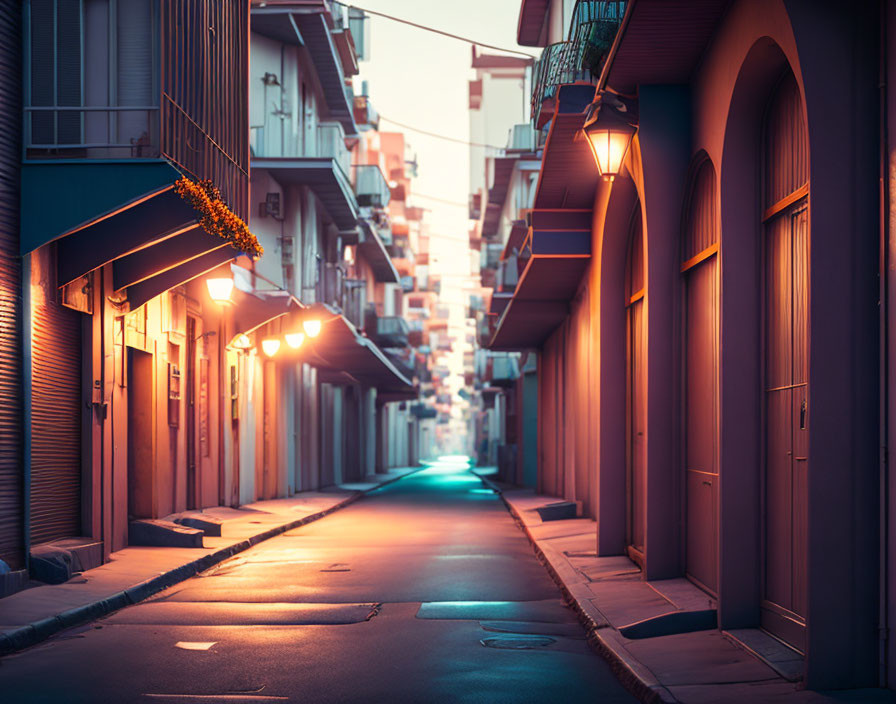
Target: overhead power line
456,140
444,201
441,32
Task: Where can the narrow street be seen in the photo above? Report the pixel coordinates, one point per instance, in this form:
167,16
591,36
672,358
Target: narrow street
423,591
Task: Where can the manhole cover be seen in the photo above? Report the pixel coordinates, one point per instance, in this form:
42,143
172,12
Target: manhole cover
517,642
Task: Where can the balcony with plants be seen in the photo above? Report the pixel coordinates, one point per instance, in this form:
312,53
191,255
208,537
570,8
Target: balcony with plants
97,91
578,59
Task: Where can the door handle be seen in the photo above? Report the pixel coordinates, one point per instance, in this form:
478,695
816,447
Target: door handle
803,409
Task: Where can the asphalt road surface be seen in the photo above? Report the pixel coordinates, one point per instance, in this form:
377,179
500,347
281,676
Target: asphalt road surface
423,591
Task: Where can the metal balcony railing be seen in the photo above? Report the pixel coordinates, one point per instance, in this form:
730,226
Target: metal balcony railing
492,256
387,331
592,31
508,274
557,66
371,187
522,138
97,131
331,144
581,57
339,291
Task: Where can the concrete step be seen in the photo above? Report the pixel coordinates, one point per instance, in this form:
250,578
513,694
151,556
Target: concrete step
163,534
55,562
209,525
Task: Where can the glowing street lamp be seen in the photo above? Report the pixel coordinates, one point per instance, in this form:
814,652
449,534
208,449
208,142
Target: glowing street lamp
610,128
241,342
270,345
219,289
312,327
294,339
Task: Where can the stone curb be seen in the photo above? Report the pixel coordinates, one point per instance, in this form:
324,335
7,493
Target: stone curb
38,631
603,638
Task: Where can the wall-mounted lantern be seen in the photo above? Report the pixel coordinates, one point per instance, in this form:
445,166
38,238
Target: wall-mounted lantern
219,289
294,339
311,326
241,342
270,346
610,126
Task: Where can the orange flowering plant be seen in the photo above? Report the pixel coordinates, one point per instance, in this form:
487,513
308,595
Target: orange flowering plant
215,217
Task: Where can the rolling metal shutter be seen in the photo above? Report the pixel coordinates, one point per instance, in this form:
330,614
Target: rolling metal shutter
55,416
11,514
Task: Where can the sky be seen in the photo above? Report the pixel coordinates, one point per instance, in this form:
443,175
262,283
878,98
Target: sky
420,79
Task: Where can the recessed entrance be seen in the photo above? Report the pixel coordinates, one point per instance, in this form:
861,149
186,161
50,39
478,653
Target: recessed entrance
786,385
636,390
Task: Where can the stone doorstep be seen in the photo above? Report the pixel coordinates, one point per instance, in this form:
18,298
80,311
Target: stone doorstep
672,609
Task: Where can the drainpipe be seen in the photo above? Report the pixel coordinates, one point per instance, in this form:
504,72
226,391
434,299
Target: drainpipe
883,626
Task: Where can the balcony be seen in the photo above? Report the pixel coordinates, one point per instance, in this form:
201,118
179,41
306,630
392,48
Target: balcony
347,295
371,186
365,115
322,28
559,65
508,273
502,369
387,331
344,38
592,31
325,172
200,126
558,250
523,138
492,256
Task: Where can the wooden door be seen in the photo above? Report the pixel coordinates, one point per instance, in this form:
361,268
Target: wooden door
636,391
141,422
786,385
700,336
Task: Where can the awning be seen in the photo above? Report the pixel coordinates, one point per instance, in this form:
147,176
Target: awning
319,42
147,221
661,42
252,310
340,348
141,292
568,173
152,239
158,258
323,176
559,244
533,14
371,247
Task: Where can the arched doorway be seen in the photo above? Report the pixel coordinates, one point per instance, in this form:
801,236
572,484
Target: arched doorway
636,389
785,364
700,336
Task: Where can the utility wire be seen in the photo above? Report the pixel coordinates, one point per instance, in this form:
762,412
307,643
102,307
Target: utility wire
456,140
444,201
443,33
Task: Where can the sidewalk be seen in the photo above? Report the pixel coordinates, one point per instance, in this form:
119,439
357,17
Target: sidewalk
135,573
638,626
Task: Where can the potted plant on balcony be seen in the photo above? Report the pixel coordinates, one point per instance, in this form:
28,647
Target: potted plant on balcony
216,218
